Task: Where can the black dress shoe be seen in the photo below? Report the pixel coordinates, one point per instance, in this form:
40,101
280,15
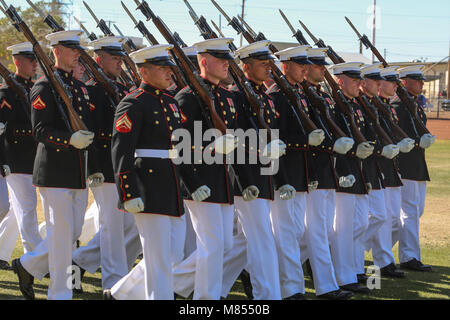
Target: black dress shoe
107,295
337,295
391,271
246,283
4,265
415,265
297,296
356,288
362,278
25,280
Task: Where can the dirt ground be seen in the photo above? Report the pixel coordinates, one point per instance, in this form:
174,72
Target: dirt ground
440,128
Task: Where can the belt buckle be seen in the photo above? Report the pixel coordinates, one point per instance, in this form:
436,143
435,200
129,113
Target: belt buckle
173,153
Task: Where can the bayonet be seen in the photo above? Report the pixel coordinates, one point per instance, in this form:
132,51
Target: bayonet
221,11
287,21
217,28
129,13
314,39
319,43
92,13
191,10
39,11
118,30
252,32
91,35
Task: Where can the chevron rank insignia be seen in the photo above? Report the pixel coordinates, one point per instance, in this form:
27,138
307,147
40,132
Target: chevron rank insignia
5,104
124,124
38,104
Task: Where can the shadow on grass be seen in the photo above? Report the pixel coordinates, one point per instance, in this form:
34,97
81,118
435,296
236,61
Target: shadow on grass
417,285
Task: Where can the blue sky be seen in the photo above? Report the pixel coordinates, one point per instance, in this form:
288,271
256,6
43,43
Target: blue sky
407,29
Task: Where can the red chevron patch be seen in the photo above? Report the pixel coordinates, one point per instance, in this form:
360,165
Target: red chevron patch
38,104
5,104
124,124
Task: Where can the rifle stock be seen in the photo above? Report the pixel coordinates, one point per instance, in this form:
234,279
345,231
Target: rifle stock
384,109
56,82
372,112
18,89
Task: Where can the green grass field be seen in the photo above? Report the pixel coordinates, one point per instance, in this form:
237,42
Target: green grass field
435,242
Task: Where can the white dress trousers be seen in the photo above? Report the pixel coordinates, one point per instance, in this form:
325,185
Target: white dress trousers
213,225
4,198
9,233
133,285
64,211
381,243
113,258
262,257
360,225
24,201
413,205
377,215
341,240
320,211
155,234
288,226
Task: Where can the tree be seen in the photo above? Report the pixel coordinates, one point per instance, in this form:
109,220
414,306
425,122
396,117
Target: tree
10,36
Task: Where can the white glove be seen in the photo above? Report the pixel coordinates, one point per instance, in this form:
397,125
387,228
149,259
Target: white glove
347,182
343,145
390,151
406,145
134,205
316,137
287,192
96,180
201,193
312,185
275,149
427,140
7,170
250,193
364,150
81,139
225,144
369,186
2,128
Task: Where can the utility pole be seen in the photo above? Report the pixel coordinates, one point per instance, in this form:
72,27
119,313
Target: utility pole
242,15
374,26
448,75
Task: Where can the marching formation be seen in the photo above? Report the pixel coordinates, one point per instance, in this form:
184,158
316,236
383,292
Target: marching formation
213,162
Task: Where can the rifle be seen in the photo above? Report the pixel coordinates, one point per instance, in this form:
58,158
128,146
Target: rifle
87,61
18,89
178,76
341,101
129,64
368,107
196,82
286,88
73,122
373,113
387,116
311,93
402,93
91,36
241,81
